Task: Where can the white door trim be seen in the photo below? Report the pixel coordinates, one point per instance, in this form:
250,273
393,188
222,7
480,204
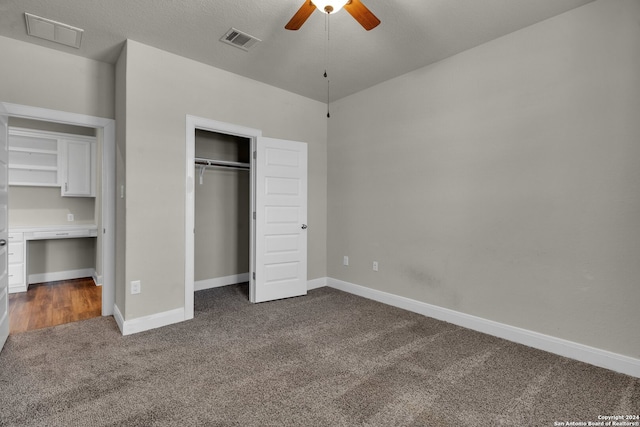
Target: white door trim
4,227
108,129
193,123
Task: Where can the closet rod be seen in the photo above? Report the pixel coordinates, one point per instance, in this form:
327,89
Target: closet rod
208,162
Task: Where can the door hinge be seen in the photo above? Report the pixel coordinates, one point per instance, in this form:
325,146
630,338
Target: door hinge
254,275
254,215
255,154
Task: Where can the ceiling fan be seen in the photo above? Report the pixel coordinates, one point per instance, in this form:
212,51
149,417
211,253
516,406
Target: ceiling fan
355,8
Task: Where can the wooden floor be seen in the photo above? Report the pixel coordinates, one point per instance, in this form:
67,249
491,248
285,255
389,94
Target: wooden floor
54,303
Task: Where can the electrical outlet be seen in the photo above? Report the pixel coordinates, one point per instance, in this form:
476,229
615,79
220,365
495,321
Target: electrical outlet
70,217
135,287
375,265
345,260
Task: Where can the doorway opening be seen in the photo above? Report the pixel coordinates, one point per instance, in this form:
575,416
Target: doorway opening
54,255
104,204
233,145
222,209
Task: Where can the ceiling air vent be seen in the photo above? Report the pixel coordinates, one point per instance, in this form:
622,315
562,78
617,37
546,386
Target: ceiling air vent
239,39
54,31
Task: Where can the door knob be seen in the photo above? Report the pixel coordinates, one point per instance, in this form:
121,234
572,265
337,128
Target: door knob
3,242
304,226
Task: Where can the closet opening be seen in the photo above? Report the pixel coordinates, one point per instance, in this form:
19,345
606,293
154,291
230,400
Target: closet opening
250,224
222,210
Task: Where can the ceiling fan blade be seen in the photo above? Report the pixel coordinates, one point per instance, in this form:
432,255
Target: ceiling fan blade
301,16
361,14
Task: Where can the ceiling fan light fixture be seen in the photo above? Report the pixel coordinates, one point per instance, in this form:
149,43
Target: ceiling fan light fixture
329,6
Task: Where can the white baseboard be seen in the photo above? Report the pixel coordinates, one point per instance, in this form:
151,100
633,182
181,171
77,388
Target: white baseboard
145,323
61,275
316,283
201,285
13,289
96,279
119,318
594,356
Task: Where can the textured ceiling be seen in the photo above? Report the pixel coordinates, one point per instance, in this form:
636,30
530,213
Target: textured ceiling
413,33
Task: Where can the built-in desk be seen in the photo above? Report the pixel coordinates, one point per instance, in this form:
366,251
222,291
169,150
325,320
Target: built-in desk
19,238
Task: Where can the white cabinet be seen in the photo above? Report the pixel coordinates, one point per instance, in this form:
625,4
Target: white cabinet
77,158
50,159
17,265
19,238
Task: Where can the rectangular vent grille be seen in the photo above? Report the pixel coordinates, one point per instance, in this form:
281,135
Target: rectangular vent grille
239,39
53,31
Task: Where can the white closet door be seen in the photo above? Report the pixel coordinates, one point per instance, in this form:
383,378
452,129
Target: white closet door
281,218
4,232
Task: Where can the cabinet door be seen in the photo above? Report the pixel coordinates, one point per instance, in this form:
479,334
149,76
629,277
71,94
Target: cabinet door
78,170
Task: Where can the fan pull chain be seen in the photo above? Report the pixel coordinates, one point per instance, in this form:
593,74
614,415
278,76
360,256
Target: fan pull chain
328,84
326,60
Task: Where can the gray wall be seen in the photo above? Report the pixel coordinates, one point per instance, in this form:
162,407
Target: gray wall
121,162
503,182
50,256
161,89
37,76
44,206
221,208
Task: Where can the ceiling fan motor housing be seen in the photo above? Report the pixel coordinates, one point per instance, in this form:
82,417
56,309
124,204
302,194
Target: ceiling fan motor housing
329,6
355,8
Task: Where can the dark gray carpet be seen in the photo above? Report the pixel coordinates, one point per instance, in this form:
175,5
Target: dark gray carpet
326,359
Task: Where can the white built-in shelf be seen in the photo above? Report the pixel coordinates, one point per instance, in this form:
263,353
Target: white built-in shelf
50,159
33,150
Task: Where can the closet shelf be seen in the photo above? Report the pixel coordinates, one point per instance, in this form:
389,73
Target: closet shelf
34,168
29,150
